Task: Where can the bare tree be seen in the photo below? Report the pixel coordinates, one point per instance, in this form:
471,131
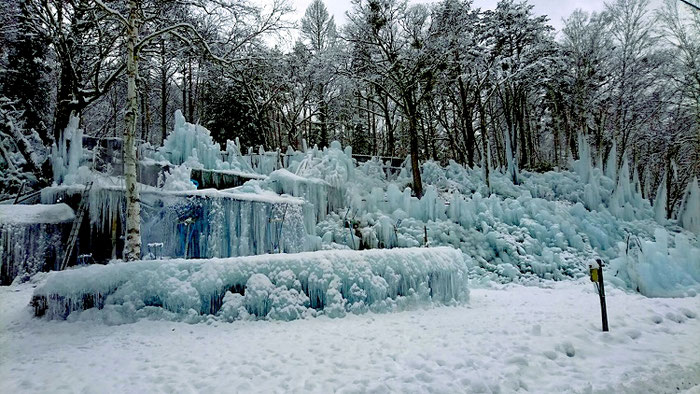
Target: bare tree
144,24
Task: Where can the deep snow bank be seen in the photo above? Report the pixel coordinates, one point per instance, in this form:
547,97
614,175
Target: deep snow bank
280,286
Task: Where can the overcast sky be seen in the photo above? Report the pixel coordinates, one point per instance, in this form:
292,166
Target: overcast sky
555,9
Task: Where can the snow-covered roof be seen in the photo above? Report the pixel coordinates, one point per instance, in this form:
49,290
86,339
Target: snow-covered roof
39,213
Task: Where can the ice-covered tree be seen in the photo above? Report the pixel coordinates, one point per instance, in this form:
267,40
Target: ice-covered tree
319,34
399,62
523,49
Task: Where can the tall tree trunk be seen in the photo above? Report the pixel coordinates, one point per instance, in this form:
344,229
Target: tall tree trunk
190,96
468,127
66,101
484,143
163,92
388,124
520,122
143,110
323,120
132,248
460,153
184,90
412,112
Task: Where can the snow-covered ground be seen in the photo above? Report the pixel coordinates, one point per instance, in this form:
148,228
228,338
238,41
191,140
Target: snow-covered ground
510,338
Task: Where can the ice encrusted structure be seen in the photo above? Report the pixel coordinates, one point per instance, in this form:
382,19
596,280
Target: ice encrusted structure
320,177
197,223
316,191
32,238
660,202
178,178
538,226
280,286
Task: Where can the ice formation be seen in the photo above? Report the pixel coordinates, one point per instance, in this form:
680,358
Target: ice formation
197,223
32,238
190,142
525,226
689,217
281,286
660,202
178,178
316,191
657,268
545,227
67,161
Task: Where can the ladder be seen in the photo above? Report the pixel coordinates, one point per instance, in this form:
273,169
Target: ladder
75,230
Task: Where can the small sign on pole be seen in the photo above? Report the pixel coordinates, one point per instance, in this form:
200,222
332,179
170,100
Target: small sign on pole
596,270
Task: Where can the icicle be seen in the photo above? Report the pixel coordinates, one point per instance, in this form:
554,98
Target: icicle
624,180
512,168
31,238
611,164
582,166
660,202
689,213
66,161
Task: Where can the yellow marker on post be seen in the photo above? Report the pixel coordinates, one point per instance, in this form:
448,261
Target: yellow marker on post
596,269
594,274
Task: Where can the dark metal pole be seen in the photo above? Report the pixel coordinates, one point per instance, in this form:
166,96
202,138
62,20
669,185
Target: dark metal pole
19,193
691,4
601,293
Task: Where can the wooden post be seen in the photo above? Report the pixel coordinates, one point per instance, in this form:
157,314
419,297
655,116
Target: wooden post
19,193
601,294
114,237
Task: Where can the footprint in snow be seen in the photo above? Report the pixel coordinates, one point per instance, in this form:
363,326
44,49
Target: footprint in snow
566,348
676,317
634,334
657,319
552,355
688,313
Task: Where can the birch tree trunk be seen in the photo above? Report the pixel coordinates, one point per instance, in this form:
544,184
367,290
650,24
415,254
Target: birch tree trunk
132,247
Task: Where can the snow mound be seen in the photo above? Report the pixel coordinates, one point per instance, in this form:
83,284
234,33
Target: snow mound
280,286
